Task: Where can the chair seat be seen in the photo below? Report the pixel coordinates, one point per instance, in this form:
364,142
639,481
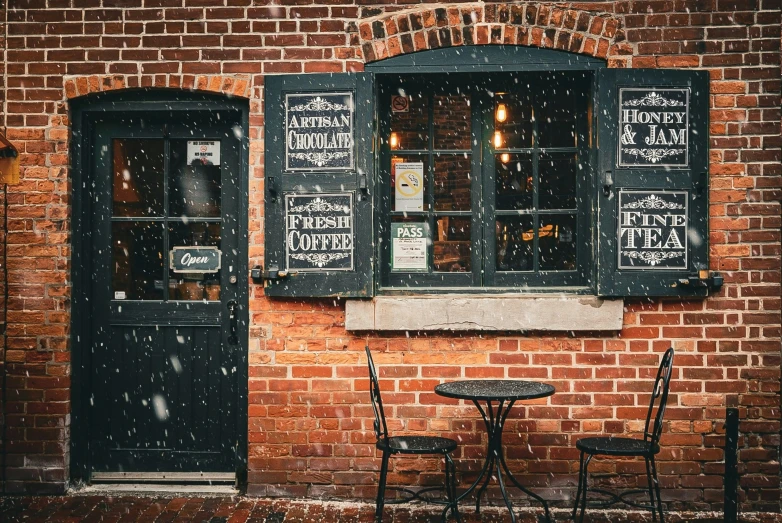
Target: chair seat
616,446
417,445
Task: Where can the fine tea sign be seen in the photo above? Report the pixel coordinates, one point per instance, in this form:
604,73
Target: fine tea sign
653,127
653,230
319,232
195,260
319,132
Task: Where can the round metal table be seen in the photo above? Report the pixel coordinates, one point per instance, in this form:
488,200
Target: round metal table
499,397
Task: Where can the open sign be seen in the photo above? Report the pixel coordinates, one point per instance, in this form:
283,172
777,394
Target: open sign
195,260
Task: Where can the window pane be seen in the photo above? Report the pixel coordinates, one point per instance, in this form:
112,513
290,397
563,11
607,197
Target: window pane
138,177
193,286
411,127
452,245
194,189
514,237
408,183
513,181
452,182
557,242
452,121
557,181
556,116
137,260
513,120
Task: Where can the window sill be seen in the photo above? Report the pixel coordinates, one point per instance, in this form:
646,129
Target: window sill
484,313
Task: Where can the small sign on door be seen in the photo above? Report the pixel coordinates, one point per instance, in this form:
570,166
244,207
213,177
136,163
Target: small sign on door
195,260
203,152
409,186
408,246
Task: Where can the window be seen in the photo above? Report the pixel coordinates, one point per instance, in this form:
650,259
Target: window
494,170
487,169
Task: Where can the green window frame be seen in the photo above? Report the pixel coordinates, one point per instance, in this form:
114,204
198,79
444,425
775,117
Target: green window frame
491,202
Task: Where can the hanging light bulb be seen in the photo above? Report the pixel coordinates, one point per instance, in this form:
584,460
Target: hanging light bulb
502,113
504,157
394,140
497,139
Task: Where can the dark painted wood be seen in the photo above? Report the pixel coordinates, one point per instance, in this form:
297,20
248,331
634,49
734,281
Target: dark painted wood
145,399
612,178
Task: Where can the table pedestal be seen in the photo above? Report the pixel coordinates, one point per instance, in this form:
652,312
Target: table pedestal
494,418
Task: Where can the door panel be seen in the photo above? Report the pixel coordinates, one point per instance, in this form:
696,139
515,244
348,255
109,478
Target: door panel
164,379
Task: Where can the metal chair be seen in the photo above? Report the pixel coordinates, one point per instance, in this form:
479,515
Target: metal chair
646,448
415,445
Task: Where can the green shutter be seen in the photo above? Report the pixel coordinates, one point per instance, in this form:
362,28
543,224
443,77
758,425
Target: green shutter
319,168
652,194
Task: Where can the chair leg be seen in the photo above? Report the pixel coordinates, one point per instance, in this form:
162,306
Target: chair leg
584,489
580,484
657,490
450,490
650,488
381,488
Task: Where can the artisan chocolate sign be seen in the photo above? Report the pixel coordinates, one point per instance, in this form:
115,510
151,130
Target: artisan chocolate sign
319,232
653,127
652,230
319,132
195,260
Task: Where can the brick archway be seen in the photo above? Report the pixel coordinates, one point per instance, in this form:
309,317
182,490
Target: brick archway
233,85
547,25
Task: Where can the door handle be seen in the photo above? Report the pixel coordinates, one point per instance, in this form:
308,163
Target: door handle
233,319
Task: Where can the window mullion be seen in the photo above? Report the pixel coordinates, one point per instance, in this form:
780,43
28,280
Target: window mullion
431,219
535,182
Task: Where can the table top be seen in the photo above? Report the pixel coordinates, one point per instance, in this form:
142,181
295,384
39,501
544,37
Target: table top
494,390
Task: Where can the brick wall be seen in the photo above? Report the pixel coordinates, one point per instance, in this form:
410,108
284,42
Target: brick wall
309,417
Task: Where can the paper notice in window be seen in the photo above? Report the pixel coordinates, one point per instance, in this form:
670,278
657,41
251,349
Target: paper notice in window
408,246
409,186
203,152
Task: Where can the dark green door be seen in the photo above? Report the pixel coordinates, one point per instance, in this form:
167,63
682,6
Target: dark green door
167,315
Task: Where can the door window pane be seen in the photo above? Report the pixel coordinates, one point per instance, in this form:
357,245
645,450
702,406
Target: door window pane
452,245
194,189
557,246
193,286
452,182
137,260
515,238
513,120
556,116
138,177
452,121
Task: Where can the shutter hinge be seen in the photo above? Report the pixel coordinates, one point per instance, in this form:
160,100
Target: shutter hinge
701,279
259,275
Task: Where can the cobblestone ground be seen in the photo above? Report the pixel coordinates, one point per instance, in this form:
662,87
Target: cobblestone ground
157,509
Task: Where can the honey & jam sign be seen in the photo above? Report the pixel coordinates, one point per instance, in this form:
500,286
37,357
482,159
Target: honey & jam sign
319,132
653,127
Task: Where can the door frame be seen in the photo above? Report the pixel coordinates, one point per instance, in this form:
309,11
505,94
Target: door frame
82,113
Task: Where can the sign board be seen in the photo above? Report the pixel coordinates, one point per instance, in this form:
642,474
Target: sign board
319,132
653,127
653,230
319,232
408,246
195,259
400,104
203,152
409,186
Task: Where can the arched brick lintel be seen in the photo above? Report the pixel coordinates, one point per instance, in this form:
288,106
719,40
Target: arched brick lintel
231,85
534,24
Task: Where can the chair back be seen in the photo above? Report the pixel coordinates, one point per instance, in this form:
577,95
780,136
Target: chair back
381,430
654,428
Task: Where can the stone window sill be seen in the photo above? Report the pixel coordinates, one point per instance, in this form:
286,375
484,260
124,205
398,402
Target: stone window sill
450,312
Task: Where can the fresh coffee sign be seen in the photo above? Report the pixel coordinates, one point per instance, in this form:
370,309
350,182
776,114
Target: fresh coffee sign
653,230
319,132
653,127
319,232
195,260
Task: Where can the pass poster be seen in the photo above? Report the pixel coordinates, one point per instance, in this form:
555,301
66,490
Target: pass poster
408,246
